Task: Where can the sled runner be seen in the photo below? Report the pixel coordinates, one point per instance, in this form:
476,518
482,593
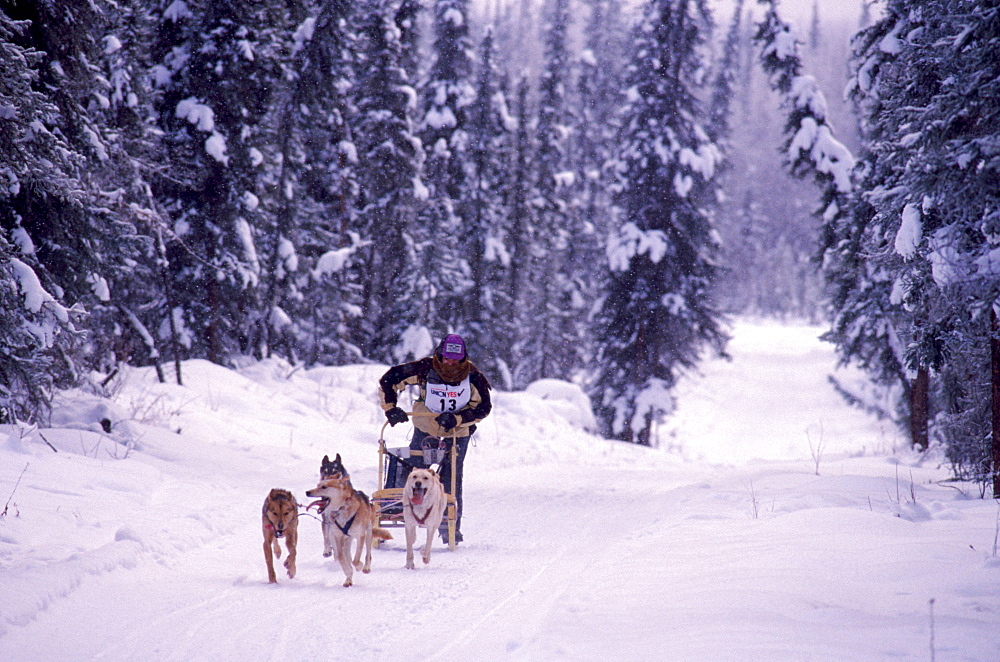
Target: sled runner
393,466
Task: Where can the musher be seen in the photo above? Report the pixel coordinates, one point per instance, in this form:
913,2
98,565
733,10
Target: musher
452,388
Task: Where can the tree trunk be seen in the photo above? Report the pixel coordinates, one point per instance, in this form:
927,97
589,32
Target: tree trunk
995,379
147,340
919,410
175,343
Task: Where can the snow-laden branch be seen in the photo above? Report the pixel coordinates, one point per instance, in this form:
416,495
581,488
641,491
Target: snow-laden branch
812,146
631,241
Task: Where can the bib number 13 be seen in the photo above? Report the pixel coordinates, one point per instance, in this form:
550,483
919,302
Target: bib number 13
443,397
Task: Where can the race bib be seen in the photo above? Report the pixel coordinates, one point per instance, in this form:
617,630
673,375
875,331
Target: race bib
443,397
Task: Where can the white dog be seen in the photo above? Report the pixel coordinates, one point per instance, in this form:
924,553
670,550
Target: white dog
424,501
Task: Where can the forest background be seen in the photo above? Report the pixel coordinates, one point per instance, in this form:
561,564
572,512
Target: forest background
584,190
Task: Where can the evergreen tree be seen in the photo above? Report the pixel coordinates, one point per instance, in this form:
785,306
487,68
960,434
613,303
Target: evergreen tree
956,188
812,150
523,233
408,22
599,86
217,64
36,171
657,316
308,193
926,83
123,329
596,128
551,330
814,32
721,101
390,158
491,327
443,274
79,217
872,326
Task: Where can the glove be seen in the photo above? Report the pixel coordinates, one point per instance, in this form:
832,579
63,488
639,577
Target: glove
396,415
446,420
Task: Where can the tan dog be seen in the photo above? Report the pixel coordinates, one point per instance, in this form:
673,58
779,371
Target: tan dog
351,517
280,519
424,501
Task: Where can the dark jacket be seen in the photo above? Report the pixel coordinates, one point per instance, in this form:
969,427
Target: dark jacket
420,372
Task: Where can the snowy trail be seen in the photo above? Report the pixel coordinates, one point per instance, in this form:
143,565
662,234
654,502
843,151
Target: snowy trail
577,548
554,562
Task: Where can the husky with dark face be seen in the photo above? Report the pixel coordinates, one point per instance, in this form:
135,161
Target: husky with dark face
332,468
280,519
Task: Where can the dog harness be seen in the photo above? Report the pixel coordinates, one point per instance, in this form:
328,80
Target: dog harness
344,529
420,520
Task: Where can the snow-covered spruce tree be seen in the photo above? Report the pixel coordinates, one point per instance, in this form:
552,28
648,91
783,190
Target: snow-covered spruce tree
35,329
596,122
408,16
330,309
724,80
881,298
811,148
814,32
927,81
36,169
960,208
391,191
598,91
598,103
443,279
123,329
521,220
70,199
491,327
308,192
217,66
657,316
856,293
552,328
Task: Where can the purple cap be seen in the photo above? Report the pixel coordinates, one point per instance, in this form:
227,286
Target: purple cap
453,347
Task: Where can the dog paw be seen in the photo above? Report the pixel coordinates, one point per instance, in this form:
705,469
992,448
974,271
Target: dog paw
410,566
347,583
426,559
327,555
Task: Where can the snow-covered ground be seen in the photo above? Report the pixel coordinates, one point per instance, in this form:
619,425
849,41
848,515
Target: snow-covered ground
774,523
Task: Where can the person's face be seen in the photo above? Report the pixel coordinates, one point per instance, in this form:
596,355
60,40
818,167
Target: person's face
449,361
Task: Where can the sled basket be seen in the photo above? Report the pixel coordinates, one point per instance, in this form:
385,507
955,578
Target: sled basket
393,467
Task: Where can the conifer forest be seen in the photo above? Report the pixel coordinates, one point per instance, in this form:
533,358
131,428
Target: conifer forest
585,190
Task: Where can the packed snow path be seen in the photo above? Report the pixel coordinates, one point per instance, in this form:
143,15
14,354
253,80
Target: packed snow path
577,549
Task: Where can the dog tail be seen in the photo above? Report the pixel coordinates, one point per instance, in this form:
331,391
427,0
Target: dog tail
381,534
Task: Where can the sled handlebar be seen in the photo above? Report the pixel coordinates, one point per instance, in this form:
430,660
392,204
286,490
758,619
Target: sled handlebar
454,434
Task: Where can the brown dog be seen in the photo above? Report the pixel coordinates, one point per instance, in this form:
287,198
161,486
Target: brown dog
280,520
347,516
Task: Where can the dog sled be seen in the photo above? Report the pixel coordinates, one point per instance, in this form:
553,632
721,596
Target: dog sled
393,466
